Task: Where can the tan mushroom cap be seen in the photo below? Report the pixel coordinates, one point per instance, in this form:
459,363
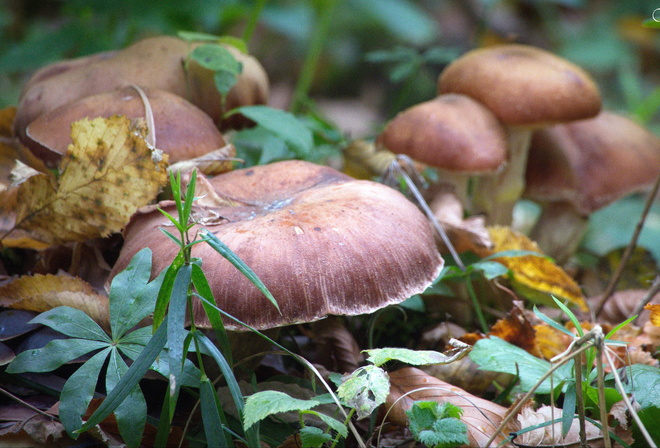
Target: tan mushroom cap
523,85
322,243
593,162
182,130
452,132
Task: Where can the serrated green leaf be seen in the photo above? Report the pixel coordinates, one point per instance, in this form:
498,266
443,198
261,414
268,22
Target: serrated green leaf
268,402
131,414
281,123
499,356
364,390
312,437
72,322
380,356
333,423
645,385
437,424
78,391
53,355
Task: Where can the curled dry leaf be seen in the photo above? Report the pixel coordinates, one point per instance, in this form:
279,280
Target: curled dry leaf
212,163
108,172
43,292
620,306
551,435
336,348
482,417
536,278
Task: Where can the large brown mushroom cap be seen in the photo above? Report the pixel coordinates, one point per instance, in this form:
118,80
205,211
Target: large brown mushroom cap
182,130
523,85
593,162
322,243
452,132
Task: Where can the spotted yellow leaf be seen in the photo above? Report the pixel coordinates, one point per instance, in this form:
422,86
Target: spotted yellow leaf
536,278
107,173
655,313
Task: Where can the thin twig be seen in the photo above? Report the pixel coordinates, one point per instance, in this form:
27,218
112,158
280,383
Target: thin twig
655,289
26,404
628,252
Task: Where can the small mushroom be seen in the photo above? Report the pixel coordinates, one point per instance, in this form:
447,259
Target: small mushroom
576,168
453,133
322,243
526,88
181,129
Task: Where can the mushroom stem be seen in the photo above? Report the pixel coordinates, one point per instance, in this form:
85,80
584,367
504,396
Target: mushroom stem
460,182
559,230
497,194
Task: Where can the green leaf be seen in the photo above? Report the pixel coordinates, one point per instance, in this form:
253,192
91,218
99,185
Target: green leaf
651,23
312,437
437,424
403,18
333,423
192,36
239,264
571,316
645,385
568,408
212,415
499,356
163,300
176,331
78,391
380,356
364,390
72,322
132,296
491,269
515,253
215,57
281,123
262,404
131,414
53,355
131,378
224,81
552,323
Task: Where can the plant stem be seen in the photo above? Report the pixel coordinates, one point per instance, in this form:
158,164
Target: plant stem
310,64
252,20
628,252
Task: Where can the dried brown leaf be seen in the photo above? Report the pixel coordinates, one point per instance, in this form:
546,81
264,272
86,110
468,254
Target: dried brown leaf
43,292
108,172
409,384
551,435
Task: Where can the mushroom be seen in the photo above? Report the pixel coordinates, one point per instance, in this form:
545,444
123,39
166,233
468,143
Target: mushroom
155,63
321,242
576,168
181,129
437,133
526,88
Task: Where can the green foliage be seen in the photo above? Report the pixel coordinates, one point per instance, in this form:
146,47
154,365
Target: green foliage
262,404
132,297
364,390
380,356
437,425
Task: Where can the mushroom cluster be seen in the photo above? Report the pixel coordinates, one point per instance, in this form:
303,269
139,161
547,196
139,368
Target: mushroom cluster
322,242
186,106
529,107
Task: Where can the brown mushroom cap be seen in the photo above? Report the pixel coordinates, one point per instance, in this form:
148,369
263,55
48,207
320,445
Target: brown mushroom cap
155,63
523,85
322,243
182,130
593,162
452,132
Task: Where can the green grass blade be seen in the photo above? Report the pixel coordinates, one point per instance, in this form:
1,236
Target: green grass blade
189,198
212,415
551,322
131,378
176,332
163,300
226,252
204,290
570,315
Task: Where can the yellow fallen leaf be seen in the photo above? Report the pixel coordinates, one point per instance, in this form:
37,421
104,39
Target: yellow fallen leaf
107,173
536,278
43,292
655,313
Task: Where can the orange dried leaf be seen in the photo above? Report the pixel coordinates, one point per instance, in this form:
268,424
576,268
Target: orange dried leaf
409,384
43,292
536,278
655,313
108,172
